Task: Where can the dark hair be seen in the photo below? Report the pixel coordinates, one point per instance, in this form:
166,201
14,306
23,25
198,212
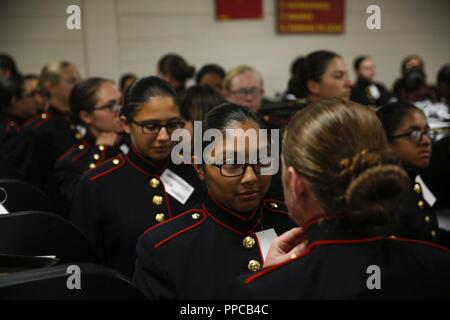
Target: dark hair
404,65
311,67
412,80
222,116
124,78
176,66
198,100
142,90
209,68
358,61
443,76
8,63
392,114
9,88
83,97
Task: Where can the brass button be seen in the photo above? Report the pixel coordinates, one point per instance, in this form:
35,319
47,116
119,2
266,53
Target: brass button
433,234
274,205
266,118
44,116
196,216
417,188
92,165
81,147
154,183
421,204
96,156
101,147
158,200
392,237
254,265
78,136
248,242
427,219
116,161
160,217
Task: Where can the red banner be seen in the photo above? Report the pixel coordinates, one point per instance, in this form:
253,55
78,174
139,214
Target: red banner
310,16
238,9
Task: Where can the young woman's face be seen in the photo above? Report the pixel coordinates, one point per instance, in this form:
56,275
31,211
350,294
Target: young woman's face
158,110
241,193
415,155
334,83
105,117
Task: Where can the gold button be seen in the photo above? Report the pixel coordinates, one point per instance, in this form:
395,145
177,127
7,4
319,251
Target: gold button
248,242
427,219
433,234
266,118
78,136
160,217
116,161
96,156
274,205
392,237
154,183
101,147
158,200
92,165
81,147
417,188
254,265
196,216
421,204
44,116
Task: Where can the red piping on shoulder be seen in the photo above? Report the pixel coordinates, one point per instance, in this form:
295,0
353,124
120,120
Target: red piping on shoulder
159,244
121,164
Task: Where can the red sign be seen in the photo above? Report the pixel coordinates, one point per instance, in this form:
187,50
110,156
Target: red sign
238,9
310,16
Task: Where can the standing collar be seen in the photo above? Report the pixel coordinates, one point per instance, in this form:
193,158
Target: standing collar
144,164
237,222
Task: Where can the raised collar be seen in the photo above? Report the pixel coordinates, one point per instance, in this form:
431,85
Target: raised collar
237,222
145,165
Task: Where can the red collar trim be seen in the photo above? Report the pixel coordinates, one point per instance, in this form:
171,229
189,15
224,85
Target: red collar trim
233,213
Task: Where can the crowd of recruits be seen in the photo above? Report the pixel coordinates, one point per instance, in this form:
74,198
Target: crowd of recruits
110,178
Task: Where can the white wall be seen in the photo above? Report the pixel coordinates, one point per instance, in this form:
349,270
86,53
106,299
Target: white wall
120,36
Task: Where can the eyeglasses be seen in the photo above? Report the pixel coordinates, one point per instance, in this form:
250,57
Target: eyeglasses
113,106
236,170
417,135
254,92
154,128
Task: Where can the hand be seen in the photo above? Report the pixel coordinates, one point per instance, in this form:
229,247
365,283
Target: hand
107,138
285,247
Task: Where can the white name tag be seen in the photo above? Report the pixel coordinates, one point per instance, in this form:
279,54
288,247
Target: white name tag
374,92
443,219
265,238
3,210
124,148
427,194
176,186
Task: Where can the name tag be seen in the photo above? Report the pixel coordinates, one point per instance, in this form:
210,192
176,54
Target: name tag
124,148
265,238
374,92
427,194
176,186
3,210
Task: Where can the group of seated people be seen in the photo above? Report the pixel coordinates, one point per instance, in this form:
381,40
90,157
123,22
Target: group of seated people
362,176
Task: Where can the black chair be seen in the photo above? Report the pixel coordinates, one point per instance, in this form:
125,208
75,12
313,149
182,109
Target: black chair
22,196
96,283
38,233
14,263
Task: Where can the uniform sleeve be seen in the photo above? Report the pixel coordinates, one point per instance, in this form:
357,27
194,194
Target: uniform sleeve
149,275
87,216
67,175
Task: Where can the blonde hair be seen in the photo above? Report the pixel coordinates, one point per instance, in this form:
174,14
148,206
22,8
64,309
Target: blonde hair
236,71
341,149
51,72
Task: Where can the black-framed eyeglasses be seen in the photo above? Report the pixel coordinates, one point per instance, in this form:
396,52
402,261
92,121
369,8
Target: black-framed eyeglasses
236,170
112,106
417,135
254,92
154,128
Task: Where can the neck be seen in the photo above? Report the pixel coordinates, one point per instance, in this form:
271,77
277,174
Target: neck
59,105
